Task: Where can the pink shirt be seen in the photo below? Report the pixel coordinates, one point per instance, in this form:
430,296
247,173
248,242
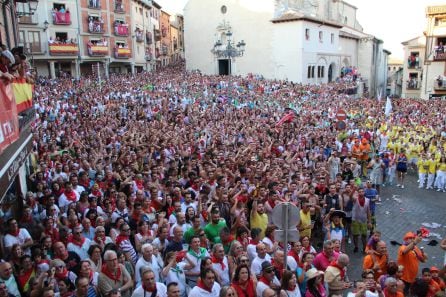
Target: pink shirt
321,261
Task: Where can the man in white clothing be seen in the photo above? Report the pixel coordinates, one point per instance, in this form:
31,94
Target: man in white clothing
220,264
262,256
150,287
17,235
148,260
207,286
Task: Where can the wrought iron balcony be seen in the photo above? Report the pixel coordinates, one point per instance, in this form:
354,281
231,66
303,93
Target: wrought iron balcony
61,18
122,53
95,50
439,56
149,39
63,49
413,64
139,36
119,7
440,84
28,19
96,27
413,84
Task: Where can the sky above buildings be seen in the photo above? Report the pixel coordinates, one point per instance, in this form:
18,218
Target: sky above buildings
393,21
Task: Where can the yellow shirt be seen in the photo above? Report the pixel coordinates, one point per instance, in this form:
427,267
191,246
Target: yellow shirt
259,221
442,167
423,165
305,221
432,166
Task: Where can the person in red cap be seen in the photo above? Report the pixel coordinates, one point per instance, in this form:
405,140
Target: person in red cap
436,278
409,255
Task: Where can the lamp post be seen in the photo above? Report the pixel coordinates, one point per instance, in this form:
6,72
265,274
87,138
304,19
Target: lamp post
230,50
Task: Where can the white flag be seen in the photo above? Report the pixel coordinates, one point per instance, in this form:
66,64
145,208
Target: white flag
379,94
388,107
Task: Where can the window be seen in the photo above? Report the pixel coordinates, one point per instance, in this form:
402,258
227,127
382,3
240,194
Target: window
309,72
140,11
61,36
34,40
332,38
321,36
59,7
22,38
320,71
307,34
312,71
345,20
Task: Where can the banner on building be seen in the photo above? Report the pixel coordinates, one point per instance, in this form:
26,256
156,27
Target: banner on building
9,121
23,93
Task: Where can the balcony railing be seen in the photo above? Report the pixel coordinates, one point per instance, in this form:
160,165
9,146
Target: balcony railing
61,49
94,4
439,56
440,84
61,18
413,64
119,7
148,57
28,19
95,50
165,50
122,53
95,27
139,36
122,30
413,84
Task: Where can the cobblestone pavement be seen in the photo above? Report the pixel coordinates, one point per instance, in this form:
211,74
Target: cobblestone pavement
404,210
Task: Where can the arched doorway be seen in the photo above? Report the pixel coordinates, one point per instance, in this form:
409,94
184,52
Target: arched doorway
331,70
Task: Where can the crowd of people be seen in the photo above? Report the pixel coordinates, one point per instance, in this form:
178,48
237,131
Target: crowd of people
163,184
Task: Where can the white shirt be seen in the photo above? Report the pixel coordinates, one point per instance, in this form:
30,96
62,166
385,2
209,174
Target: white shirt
177,275
81,251
256,265
199,292
64,202
142,263
251,250
9,240
223,273
185,227
161,291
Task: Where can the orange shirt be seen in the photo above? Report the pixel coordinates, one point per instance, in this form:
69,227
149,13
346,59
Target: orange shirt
370,261
440,282
410,262
433,288
365,150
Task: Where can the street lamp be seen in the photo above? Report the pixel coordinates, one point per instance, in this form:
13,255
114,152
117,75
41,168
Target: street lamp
45,26
230,51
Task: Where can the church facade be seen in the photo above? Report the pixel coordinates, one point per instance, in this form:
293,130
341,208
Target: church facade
304,41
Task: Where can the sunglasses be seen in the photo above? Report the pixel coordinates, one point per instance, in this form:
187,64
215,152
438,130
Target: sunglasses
269,270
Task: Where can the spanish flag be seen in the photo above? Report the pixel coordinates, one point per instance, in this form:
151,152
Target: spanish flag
23,93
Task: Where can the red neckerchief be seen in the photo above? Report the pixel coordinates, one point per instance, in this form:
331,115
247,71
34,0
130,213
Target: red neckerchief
58,192
96,193
341,269
200,284
230,239
15,233
295,255
85,184
149,289
139,184
26,219
271,202
278,267
254,242
101,241
62,275
218,261
120,238
24,278
361,203
71,195
292,288
249,291
265,281
79,243
116,277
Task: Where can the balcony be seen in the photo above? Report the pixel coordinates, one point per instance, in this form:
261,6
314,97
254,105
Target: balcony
63,49
413,84
122,30
97,50
96,27
440,84
61,18
94,4
28,19
411,64
119,7
122,53
139,36
157,35
148,57
165,50
149,37
439,56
